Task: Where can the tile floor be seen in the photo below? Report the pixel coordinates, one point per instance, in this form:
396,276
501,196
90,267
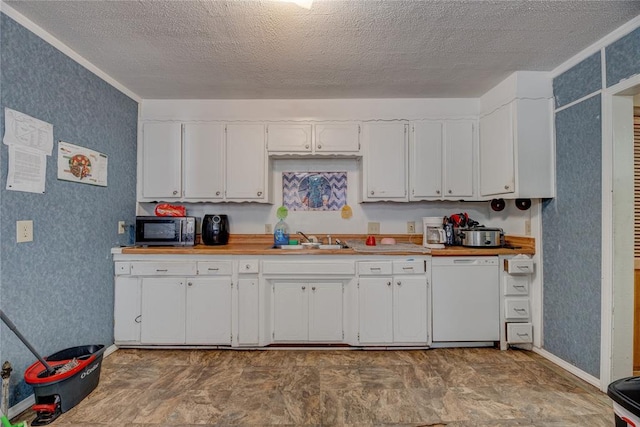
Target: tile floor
438,387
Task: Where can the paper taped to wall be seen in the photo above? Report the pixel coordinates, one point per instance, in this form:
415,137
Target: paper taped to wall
26,131
27,169
80,164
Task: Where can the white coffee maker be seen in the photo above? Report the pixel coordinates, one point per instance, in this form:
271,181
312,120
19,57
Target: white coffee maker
433,235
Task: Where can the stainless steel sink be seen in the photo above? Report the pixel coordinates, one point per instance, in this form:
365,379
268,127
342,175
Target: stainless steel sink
308,246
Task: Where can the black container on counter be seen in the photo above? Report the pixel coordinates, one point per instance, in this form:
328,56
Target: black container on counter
215,230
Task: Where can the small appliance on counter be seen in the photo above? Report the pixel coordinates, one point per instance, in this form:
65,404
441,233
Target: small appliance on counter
433,234
215,230
482,237
165,230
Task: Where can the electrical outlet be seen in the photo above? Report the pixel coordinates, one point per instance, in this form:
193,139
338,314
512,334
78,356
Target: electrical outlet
24,231
268,229
373,228
411,227
527,227
120,227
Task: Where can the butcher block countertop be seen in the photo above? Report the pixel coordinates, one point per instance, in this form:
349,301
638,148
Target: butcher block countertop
260,244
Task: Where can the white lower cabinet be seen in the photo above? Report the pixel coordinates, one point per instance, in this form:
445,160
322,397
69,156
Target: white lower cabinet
248,311
177,310
392,309
516,305
307,311
126,314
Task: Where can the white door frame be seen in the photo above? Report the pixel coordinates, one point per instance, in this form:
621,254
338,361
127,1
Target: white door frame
616,349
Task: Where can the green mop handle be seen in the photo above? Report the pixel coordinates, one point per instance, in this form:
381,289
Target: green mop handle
15,330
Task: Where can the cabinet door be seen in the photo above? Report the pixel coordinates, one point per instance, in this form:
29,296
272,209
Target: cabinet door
385,161
426,161
161,161
246,162
126,313
290,322
458,160
208,317
337,138
248,311
163,310
410,309
289,138
497,174
375,308
325,311
203,165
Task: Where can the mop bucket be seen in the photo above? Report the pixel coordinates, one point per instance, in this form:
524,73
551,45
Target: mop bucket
60,391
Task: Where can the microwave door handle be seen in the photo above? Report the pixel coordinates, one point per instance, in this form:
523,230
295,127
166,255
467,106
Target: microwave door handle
182,224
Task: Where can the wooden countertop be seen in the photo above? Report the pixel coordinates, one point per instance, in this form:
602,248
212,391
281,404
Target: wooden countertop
260,244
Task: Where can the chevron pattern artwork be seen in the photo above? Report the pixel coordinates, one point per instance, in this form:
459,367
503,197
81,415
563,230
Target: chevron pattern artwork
314,191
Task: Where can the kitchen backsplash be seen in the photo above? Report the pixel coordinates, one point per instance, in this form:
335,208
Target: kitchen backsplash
250,218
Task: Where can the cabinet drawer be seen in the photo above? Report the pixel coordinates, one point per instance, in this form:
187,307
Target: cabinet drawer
212,268
408,267
518,266
248,266
374,268
163,268
516,285
334,268
516,308
122,268
519,333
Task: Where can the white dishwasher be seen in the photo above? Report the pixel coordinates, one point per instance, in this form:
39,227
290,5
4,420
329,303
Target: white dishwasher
466,299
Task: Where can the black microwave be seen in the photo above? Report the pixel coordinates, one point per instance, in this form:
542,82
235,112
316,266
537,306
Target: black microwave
165,230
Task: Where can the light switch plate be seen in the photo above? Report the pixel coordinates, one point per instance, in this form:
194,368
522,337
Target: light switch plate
527,227
24,231
411,227
373,228
268,229
120,227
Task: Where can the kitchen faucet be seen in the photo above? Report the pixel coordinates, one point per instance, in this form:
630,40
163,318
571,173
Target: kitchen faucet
303,235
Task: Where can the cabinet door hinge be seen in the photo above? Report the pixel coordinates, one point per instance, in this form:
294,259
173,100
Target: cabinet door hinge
273,335
225,128
358,336
232,284
358,285
230,337
342,334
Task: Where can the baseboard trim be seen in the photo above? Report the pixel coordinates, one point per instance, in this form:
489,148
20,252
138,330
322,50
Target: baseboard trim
569,367
25,404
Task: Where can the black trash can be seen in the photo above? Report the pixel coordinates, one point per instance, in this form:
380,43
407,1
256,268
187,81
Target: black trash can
625,394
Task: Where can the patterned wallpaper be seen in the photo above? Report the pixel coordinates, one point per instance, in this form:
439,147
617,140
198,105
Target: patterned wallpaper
571,238
58,289
623,58
581,80
572,223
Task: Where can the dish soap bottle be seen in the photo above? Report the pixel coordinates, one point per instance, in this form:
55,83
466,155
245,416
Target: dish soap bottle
281,231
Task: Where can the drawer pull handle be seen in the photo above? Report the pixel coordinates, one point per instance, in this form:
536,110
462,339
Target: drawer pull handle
375,269
522,335
519,286
399,283
189,284
520,310
214,269
408,268
388,283
313,288
161,270
137,319
304,287
247,267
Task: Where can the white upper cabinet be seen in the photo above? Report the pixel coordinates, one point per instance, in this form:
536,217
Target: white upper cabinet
289,138
337,138
384,163
441,160
199,162
203,161
247,172
516,146
161,161
326,138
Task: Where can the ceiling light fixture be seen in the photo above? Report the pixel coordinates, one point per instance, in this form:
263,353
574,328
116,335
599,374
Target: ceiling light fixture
302,3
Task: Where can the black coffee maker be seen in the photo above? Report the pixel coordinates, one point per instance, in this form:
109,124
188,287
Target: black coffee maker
215,230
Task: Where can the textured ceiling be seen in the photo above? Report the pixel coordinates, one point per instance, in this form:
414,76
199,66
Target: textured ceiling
338,49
